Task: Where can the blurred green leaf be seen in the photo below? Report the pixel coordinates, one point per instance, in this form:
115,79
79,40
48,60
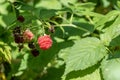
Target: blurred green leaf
67,2
115,41
111,32
49,4
100,24
89,6
24,62
7,20
5,53
57,73
3,7
44,13
111,68
91,73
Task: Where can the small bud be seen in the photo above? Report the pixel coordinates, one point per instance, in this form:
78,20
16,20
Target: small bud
51,29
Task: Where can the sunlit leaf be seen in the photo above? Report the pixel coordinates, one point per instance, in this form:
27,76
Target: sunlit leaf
83,54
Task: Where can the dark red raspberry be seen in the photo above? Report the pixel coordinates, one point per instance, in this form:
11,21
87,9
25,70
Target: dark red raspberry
18,39
35,52
31,45
21,18
28,35
45,42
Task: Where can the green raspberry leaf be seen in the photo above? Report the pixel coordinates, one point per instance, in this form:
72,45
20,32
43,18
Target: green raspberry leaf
83,54
111,32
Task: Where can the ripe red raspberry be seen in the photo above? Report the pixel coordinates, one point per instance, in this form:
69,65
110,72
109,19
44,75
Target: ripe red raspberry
45,42
28,35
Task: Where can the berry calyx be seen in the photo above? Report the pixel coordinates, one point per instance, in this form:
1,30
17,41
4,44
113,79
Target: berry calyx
51,29
28,35
20,18
35,52
45,42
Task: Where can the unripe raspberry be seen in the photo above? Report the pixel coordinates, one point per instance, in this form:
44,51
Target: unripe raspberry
45,42
28,35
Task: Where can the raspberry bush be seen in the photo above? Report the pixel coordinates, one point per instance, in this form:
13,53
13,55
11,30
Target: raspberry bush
59,39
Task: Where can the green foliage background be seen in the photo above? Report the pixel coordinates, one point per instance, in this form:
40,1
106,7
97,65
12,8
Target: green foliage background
86,41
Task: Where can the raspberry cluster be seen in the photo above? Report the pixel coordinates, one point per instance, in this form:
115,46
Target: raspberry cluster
21,37
26,36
